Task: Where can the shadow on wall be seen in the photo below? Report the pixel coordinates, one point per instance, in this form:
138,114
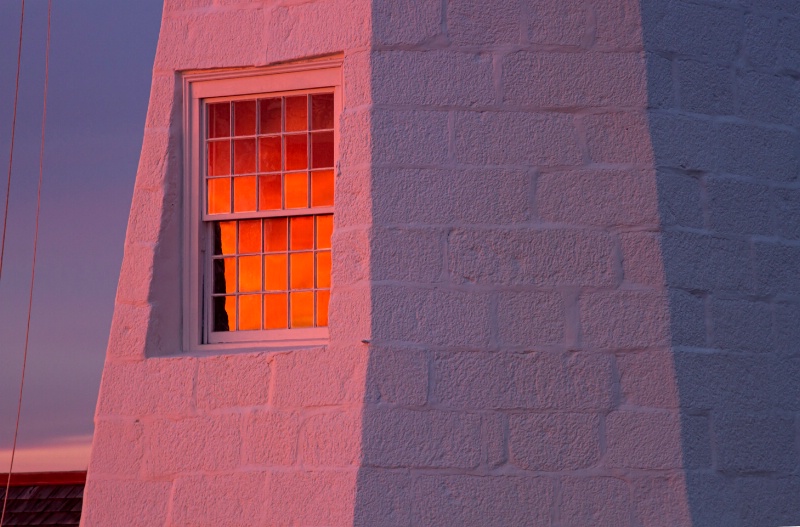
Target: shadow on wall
724,117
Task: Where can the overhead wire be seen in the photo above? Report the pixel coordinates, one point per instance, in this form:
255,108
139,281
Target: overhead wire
33,263
13,136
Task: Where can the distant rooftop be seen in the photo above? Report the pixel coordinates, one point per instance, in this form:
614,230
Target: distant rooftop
45,498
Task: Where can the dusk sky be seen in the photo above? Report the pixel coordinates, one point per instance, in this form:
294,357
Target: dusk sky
100,69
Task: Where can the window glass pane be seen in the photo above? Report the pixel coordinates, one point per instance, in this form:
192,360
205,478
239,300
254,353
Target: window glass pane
296,113
276,308
322,150
224,233
270,116
324,231
323,299
276,271
302,232
275,234
302,305
224,275
301,270
244,118
322,188
244,194
321,111
250,312
296,152
219,158
244,156
250,236
224,312
269,154
296,190
219,195
269,188
249,274
324,269
219,119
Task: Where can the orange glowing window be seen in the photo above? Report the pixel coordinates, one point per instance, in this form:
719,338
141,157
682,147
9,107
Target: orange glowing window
268,180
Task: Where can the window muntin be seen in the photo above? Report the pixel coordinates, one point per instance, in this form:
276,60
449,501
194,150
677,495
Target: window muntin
267,208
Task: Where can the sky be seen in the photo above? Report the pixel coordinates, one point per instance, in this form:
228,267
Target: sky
100,69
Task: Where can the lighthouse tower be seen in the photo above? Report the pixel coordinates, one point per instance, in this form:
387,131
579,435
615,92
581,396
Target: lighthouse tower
458,262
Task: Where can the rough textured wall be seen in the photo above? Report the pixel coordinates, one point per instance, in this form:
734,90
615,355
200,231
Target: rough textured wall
725,98
237,439
520,371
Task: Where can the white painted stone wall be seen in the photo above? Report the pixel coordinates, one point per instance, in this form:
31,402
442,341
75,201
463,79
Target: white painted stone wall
568,230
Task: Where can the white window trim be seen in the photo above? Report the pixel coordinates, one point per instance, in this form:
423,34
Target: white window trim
231,84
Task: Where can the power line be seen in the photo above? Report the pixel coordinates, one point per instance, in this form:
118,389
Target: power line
33,264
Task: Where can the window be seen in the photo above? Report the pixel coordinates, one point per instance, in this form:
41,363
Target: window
261,151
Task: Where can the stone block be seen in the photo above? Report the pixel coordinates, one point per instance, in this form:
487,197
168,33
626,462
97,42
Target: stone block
482,500
648,379
647,440
686,29
679,199
766,97
332,438
530,319
432,78
193,40
706,88
230,499
625,319
758,152
230,381
660,501
559,23
270,438
642,262
406,22
408,138
384,498
141,503
128,337
436,316
684,143
755,443
154,387
399,438
619,138
117,449
741,325
787,329
738,207
319,377
706,263
544,257
546,380
606,198
595,501
397,376
516,138
306,497
467,196
297,31
477,23
767,500
777,268
574,80
554,442
688,319
618,25
210,443
407,254
786,213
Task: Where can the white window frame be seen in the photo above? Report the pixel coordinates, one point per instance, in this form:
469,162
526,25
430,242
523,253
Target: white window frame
308,77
